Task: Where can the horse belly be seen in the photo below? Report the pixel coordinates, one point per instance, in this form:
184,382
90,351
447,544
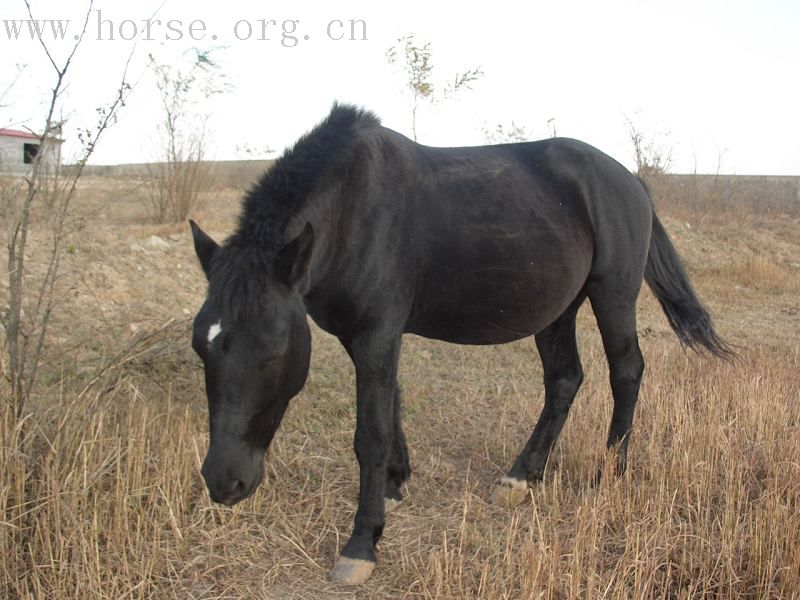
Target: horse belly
498,301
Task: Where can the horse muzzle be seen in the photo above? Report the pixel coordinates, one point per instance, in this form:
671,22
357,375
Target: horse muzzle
230,481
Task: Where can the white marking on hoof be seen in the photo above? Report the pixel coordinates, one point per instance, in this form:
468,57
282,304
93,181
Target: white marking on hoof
509,491
512,482
389,504
214,331
352,570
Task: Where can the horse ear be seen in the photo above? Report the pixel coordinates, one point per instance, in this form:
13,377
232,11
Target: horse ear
204,246
294,259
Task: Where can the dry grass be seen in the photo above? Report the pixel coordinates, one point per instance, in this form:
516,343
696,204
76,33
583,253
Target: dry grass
762,273
721,200
101,496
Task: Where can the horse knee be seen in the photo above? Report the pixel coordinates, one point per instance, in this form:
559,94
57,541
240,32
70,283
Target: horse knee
628,370
564,387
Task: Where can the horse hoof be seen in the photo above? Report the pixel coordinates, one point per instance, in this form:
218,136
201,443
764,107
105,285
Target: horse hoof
352,570
390,504
509,491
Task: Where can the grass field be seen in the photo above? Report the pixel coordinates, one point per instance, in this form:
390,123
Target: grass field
101,494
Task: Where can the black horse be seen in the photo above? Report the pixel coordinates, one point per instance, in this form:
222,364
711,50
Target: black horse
373,236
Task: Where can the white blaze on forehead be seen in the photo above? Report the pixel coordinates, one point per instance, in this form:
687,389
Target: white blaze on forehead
214,331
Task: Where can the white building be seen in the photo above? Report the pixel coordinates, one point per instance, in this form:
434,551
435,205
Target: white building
19,148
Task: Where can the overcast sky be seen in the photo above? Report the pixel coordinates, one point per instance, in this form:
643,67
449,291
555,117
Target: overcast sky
716,81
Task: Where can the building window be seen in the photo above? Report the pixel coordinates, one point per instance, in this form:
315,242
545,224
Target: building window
29,153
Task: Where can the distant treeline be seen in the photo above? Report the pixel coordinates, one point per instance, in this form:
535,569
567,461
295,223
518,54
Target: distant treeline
762,193
743,194
227,173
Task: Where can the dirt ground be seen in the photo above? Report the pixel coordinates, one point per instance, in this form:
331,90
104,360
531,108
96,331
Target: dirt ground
124,277
124,270
110,502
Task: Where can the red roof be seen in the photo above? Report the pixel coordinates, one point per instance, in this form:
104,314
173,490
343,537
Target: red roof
20,134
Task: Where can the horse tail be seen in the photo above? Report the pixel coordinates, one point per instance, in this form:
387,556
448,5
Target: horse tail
667,278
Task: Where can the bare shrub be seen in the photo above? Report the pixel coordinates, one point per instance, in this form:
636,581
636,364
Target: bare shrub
176,180
653,156
173,188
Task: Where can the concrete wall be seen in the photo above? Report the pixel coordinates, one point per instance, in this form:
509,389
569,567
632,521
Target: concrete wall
12,154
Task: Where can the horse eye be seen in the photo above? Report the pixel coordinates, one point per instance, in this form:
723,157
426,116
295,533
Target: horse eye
271,359
225,342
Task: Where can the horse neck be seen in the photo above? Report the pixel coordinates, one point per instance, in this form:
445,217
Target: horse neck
324,215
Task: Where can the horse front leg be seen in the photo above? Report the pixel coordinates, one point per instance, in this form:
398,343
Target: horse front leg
375,358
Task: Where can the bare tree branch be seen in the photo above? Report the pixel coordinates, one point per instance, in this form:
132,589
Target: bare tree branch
416,61
25,335
61,71
10,86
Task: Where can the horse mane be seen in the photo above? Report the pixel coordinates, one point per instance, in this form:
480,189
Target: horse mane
241,267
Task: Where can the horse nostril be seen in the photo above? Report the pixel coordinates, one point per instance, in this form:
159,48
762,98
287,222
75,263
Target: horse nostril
229,492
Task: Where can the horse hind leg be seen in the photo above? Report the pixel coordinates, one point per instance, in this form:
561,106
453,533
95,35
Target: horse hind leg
616,319
399,467
563,376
